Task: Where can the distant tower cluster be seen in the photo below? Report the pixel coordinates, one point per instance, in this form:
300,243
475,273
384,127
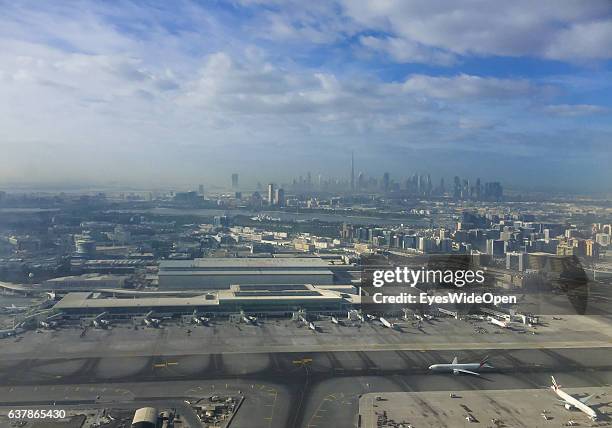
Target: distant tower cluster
462,190
276,196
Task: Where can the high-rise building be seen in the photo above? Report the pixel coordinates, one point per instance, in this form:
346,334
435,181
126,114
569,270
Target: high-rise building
279,197
352,171
457,188
271,194
386,181
234,181
591,248
201,189
516,261
493,191
495,247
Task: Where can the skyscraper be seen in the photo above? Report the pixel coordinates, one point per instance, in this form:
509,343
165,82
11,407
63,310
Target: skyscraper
271,194
234,181
352,171
457,188
279,198
360,181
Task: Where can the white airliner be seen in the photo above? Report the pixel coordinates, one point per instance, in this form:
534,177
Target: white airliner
197,319
570,402
335,320
499,323
15,309
48,324
100,321
387,323
150,321
465,368
312,326
249,319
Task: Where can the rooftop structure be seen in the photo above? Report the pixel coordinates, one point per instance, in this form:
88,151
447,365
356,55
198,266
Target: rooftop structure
221,273
88,281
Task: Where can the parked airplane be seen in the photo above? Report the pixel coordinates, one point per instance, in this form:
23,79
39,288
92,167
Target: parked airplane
197,319
100,321
15,309
312,326
387,323
249,319
570,402
150,321
335,320
46,324
499,323
52,321
465,368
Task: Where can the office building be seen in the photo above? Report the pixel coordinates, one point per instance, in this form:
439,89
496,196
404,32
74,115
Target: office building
271,194
279,198
516,261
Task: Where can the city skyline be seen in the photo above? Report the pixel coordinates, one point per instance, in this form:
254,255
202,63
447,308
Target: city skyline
159,94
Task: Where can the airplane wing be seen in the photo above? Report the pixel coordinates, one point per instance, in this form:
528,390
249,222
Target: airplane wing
586,399
455,360
455,371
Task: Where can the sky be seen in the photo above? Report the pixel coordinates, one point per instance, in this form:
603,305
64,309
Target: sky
180,93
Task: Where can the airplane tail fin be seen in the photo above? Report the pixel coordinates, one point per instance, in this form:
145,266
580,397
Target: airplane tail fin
484,361
555,386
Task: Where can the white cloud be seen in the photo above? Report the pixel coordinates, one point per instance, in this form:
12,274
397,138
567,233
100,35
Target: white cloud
569,30
468,87
406,51
572,110
582,41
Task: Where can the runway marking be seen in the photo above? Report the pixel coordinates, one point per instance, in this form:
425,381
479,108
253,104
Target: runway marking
273,407
318,409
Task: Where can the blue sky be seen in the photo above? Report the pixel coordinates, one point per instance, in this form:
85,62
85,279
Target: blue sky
178,93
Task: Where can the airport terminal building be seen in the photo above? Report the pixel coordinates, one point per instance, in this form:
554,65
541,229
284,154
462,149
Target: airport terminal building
270,300
221,273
